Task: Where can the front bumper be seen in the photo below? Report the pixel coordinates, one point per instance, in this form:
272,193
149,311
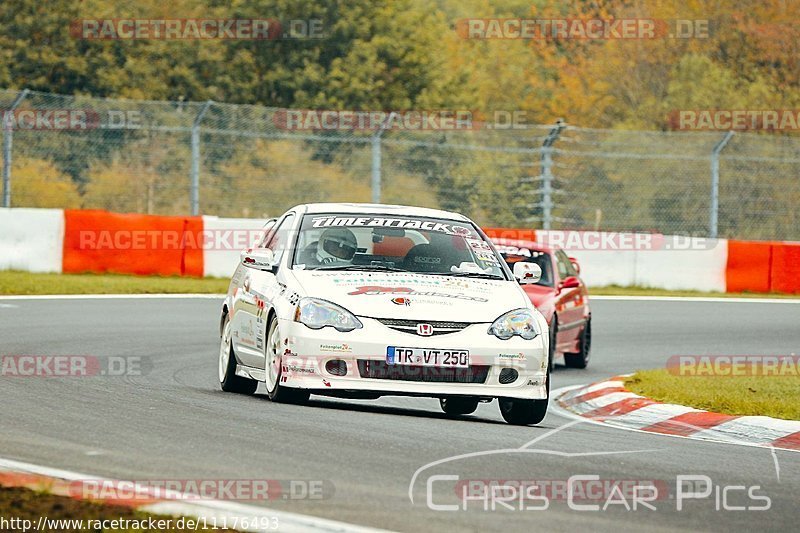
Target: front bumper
307,352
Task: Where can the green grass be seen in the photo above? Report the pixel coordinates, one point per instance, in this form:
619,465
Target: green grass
775,396
25,283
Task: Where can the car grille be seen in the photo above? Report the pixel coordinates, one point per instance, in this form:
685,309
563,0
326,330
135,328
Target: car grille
410,326
382,370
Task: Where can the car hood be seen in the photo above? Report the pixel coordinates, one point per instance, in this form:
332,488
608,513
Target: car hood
414,296
540,295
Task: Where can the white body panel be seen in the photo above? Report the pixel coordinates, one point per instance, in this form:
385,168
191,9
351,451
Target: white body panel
256,295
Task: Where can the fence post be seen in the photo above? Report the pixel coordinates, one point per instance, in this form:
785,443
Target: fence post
8,139
713,218
376,159
194,193
547,174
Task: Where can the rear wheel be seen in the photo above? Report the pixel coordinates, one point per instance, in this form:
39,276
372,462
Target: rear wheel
274,368
458,406
581,358
228,380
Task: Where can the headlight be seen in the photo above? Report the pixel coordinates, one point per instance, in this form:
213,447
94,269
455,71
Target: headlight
316,314
518,322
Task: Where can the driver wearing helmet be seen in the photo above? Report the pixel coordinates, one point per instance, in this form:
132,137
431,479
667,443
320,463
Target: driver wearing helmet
336,245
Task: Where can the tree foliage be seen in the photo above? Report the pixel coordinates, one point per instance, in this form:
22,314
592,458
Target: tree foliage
390,55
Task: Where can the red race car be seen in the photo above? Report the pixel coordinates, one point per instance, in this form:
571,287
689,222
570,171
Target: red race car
560,295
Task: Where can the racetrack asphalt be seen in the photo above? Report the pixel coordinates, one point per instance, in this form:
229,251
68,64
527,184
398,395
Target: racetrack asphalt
173,422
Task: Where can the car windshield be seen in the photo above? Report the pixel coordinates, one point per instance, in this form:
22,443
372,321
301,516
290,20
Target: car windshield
515,254
387,242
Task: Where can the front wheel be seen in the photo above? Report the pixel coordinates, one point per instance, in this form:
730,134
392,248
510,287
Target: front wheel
525,412
458,406
581,358
228,380
553,341
274,368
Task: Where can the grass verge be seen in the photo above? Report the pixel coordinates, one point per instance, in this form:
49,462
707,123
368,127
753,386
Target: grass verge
22,508
26,283
615,290
775,396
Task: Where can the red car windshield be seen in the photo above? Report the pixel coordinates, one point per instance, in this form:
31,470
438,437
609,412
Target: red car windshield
514,254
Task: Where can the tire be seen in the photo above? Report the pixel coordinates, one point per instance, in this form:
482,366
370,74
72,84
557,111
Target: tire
581,359
228,380
273,368
458,406
525,412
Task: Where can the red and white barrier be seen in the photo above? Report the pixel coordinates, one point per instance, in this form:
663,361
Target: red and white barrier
54,240
673,262
225,239
99,241
31,239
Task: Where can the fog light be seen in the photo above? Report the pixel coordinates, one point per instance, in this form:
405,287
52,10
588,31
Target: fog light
508,375
337,367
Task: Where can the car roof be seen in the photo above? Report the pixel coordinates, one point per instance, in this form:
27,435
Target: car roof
519,243
367,209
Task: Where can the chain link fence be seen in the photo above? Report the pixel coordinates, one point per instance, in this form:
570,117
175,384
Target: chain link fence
243,161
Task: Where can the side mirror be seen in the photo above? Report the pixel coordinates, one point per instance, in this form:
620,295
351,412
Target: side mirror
575,264
570,282
260,259
527,272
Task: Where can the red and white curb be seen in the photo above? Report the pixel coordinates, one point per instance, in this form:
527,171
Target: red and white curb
54,481
610,403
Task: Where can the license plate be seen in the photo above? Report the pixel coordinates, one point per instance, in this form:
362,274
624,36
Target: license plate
395,355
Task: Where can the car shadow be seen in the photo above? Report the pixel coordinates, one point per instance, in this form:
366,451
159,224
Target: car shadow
320,402
353,405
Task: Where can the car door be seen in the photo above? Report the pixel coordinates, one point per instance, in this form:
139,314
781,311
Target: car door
258,290
570,303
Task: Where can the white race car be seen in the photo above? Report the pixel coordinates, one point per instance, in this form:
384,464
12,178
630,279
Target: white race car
364,300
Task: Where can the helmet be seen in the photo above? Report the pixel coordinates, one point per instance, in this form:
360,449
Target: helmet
336,244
